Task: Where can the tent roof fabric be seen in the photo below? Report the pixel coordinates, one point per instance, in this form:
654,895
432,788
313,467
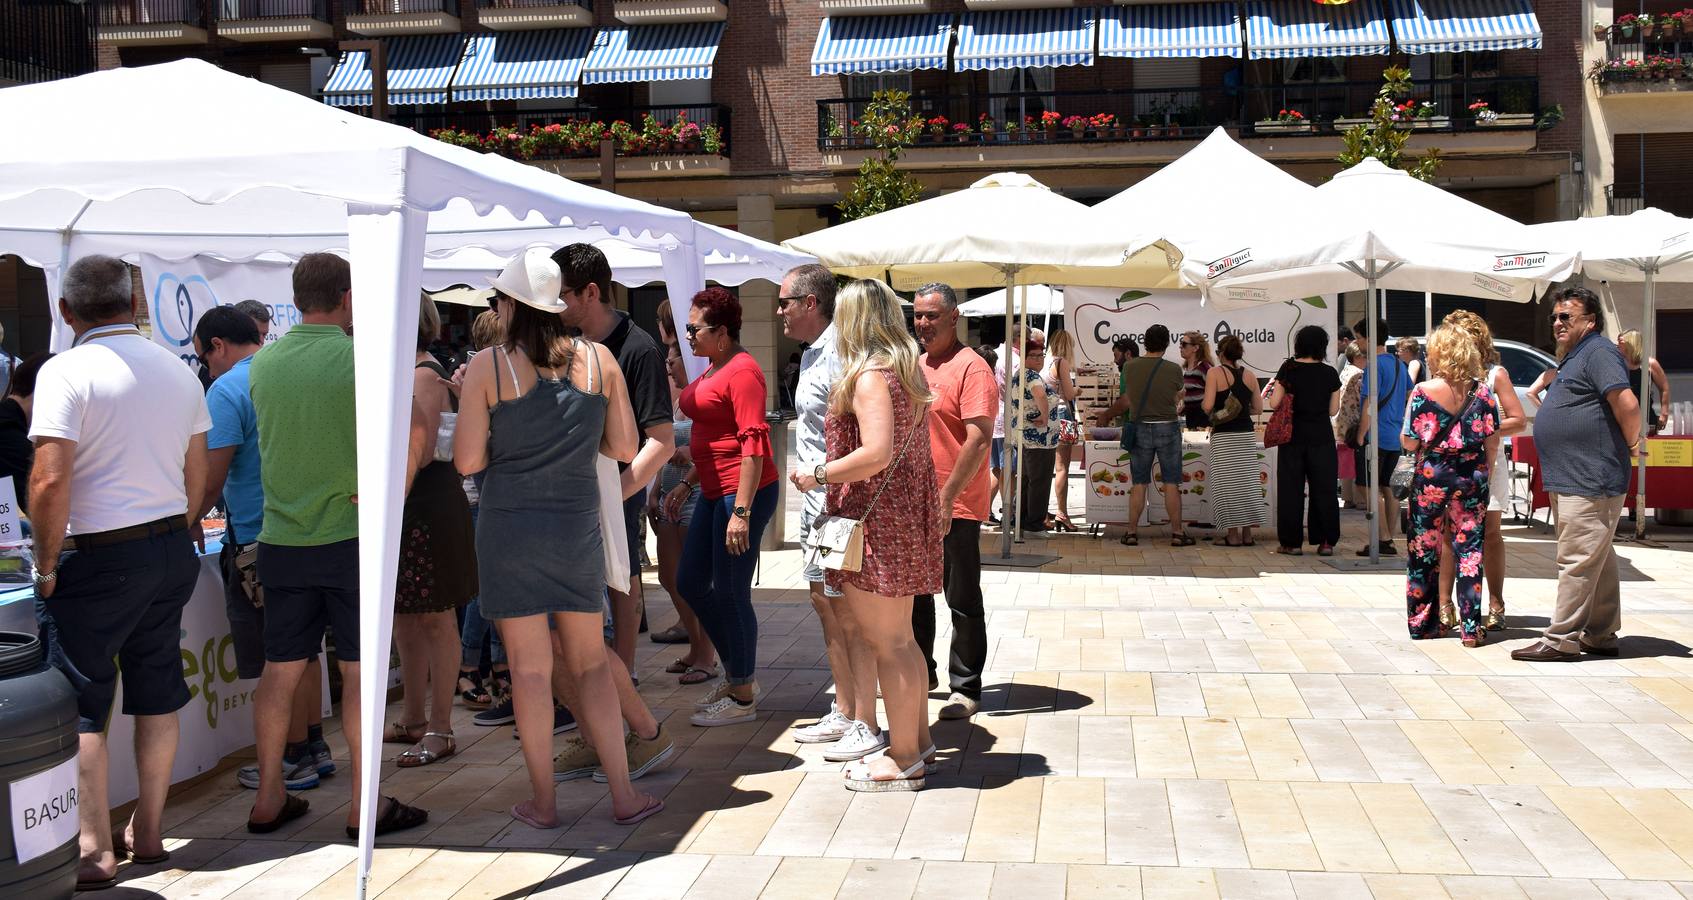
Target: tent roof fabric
1282,29
851,45
419,68
1019,38
523,65
675,52
1460,26
1189,29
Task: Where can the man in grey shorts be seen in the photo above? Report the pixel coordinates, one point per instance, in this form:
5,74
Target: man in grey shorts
806,304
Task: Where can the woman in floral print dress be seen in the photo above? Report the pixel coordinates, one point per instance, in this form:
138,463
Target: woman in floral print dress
1451,423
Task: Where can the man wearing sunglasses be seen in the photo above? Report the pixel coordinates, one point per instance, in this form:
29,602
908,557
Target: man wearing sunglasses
1587,430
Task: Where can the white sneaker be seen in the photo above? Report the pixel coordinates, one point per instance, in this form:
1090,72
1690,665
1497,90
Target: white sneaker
718,692
828,729
857,743
725,711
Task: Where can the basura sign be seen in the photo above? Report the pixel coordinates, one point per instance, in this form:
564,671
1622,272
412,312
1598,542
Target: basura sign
44,811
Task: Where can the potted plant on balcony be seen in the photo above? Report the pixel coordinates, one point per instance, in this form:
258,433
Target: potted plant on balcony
962,133
1106,125
1077,125
1049,122
936,127
1419,115
1286,121
1599,32
1648,25
711,140
1626,25
986,129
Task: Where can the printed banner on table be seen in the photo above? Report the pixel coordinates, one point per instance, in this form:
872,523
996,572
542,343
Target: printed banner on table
179,292
1109,483
1096,317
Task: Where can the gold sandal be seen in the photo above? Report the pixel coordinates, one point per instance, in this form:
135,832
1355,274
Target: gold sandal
423,756
1495,620
1448,617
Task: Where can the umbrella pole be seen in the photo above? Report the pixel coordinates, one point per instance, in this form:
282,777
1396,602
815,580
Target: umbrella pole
1648,342
1022,360
1005,455
1372,307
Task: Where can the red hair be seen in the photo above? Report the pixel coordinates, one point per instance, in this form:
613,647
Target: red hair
720,308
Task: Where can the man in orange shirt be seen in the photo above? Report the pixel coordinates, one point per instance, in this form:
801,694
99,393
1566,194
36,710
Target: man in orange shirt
960,427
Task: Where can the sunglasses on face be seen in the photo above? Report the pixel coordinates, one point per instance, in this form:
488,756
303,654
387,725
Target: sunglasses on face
694,330
785,302
1563,318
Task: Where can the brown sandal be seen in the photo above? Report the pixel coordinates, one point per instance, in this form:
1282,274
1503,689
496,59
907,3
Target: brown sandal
401,733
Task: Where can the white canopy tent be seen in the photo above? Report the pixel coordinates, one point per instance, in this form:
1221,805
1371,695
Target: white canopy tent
1005,230
1647,246
261,170
1043,300
1373,227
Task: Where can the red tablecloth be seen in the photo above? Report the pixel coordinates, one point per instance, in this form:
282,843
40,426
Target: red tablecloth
1667,487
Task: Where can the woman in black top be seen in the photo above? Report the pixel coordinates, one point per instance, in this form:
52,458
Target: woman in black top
17,454
1307,462
1237,497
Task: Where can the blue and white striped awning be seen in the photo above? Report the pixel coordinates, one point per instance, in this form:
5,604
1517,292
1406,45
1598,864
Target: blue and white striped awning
1460,26
523,65
852,45
420,66
676,52
1280,29
1024,38
1188,29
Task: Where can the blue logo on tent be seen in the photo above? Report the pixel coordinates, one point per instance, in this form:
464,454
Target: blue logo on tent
177,304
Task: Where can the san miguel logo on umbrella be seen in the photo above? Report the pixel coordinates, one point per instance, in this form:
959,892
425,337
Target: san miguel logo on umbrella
1519,261
1232,261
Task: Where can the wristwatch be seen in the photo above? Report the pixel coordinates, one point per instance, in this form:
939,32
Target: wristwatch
41,578
742,512
821,473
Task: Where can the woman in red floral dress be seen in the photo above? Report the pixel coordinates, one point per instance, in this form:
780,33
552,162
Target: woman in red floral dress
880,472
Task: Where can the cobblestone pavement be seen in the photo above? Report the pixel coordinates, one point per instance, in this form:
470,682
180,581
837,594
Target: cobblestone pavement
1195,722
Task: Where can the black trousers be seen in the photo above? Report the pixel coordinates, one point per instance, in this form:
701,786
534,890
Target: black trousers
963,583
1038,468
1305,475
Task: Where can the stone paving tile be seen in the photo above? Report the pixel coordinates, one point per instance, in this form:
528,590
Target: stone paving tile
1156,723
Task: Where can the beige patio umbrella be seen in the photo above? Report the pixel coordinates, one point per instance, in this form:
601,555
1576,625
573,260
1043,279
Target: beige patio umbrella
1006,230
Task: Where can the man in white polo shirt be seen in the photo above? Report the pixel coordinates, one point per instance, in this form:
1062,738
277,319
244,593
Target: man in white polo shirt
120,445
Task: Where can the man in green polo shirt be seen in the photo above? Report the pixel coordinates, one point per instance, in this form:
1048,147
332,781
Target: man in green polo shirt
302,387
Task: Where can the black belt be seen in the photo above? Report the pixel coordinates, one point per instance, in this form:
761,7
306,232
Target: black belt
166,525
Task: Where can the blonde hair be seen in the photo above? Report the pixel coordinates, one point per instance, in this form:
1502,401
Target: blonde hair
1060,345
1478,329
1202,346
870,334
486,331
1629,341
1406,344
428,322
1453,354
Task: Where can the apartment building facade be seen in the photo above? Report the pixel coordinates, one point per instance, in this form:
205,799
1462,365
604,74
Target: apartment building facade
776,85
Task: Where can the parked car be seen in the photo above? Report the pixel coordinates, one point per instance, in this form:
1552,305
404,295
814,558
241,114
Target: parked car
1524,363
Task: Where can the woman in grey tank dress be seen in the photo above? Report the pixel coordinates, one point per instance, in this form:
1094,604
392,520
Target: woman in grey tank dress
533,415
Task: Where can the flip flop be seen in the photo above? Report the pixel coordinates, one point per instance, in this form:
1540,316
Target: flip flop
120,847
675,634
527,819
1182,539
293,807
698,675
398,817
1129,540
97,885
676,667
654,807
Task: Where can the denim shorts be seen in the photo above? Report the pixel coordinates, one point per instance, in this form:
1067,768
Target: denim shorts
998,453
813,574
1162,440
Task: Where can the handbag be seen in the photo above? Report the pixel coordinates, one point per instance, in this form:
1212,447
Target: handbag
1279,430
444,437
1231,407
1069,432
247,569
1127,438
1405,471
837,542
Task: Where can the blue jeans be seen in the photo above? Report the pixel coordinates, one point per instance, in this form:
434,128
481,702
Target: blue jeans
718,586
476,628
1162,440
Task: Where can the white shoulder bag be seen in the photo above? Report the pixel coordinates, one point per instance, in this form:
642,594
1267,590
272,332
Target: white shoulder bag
837,542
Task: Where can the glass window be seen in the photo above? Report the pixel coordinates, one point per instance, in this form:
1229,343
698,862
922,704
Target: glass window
1032,89
863,87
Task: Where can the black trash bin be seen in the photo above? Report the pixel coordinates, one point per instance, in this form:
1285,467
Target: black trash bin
37,734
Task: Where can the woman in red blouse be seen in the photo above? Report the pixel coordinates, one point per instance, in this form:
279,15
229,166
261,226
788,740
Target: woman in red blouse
736,473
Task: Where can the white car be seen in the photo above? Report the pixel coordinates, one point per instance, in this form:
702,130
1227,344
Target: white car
1524,364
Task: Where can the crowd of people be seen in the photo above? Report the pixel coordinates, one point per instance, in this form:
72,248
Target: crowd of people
531,469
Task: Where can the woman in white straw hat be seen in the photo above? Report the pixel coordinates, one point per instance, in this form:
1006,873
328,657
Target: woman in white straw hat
534,413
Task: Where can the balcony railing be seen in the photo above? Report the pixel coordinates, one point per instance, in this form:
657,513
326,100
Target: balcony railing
514,134
42,42
1185,112
1622,199
1638,59
254,10
532,4
115,13
401,7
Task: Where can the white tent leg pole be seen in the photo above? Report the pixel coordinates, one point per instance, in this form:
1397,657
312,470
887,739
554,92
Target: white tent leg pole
1648,348
386,251
1372,311
1428,317
1023,360
1005,495
683,278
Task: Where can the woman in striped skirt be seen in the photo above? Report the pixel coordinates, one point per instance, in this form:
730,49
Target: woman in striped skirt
1237,502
